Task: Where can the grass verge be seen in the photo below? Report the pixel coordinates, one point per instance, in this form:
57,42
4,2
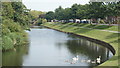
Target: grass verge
108,37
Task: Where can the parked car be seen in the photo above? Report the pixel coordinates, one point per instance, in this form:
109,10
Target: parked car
84,22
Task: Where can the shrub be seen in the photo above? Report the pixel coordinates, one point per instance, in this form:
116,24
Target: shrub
12,35
7,43
12,26
101,22
40,21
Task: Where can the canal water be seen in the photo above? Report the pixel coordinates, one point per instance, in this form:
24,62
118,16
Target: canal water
48,47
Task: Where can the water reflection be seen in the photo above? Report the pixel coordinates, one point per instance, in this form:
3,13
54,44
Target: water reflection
15,58
89,50
86,48
52,48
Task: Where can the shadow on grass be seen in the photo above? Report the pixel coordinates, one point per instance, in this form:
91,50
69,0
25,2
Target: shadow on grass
115,41
102,27
63,26
114,58
90,26
69,23
82,30
114,35
82,24
75,24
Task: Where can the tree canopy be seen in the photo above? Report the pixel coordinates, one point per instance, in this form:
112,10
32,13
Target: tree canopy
15,19
35,14
93,10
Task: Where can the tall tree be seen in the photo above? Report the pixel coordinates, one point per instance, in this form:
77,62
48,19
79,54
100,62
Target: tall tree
50,15
59,13
35,14
74,10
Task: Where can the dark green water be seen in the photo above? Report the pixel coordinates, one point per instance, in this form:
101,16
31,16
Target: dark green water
49,47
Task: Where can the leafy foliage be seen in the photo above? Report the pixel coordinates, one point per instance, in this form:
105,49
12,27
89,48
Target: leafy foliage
35,14
93,10
50,15
15,18
7,43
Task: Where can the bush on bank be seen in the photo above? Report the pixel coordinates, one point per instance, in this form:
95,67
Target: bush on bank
12,34
15,19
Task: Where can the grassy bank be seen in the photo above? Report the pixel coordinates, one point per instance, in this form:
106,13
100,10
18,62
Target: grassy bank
108,37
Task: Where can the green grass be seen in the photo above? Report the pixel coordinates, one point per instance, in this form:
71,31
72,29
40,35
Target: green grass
109,37
102,27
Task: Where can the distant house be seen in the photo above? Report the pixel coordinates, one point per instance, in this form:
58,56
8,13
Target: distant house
84,21
54,20
71,20
74,20
77,20
63,21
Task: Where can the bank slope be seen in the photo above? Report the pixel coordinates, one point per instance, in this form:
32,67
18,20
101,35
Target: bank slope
108,37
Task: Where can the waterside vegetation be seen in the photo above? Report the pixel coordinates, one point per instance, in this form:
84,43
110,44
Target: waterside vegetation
15,19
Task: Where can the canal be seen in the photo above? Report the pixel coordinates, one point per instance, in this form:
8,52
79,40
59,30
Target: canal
48,47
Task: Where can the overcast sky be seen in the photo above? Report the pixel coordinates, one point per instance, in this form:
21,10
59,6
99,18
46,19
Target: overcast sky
51,5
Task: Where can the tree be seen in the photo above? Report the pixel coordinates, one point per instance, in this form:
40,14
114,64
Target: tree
74,10
59,13
50,15
14,21
83,12
67,14
95,11
35,14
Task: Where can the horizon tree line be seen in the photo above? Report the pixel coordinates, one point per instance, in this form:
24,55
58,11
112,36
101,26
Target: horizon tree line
107,12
